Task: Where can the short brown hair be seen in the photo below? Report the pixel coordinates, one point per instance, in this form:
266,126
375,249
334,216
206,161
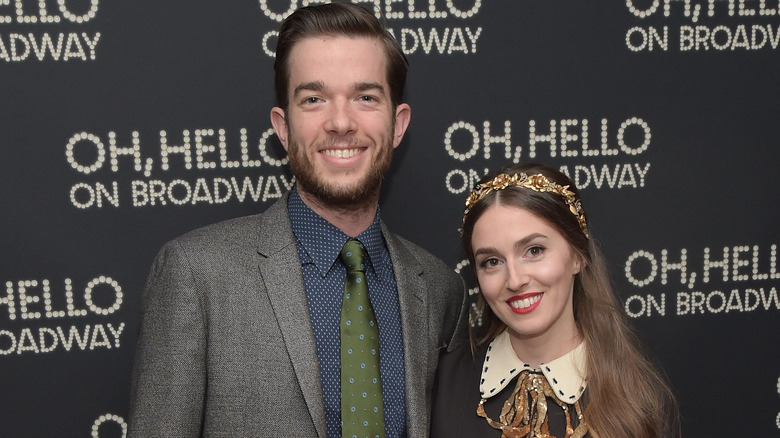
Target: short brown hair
336,19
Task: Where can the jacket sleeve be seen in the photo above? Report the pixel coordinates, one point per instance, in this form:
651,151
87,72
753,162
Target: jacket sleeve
169,375
460,333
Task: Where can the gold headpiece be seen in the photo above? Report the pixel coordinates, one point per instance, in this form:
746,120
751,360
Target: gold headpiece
538,183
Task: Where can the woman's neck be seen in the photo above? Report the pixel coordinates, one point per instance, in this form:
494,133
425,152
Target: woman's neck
543,349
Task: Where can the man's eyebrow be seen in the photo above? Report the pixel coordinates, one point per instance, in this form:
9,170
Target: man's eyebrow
310,86
366,86
319,86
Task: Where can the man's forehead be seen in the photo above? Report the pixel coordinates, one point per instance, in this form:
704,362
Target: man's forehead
299,48
311,58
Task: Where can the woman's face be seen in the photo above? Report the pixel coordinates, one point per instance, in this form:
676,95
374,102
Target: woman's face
526,270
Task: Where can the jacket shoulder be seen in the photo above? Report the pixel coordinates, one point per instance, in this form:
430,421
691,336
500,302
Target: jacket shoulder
428,261
240,232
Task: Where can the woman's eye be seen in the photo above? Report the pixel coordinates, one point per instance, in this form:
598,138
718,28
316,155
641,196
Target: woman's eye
490,263
535,250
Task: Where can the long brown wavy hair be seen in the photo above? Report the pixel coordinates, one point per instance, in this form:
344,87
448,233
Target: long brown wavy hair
627,396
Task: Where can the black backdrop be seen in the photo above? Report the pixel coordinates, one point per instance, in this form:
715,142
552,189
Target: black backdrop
124,124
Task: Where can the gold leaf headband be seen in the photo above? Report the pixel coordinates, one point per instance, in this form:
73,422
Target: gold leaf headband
538,183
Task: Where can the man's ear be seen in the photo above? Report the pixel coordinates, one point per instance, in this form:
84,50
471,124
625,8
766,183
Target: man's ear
403,115
279,122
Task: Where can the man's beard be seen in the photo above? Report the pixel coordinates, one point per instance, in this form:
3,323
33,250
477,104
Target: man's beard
362,194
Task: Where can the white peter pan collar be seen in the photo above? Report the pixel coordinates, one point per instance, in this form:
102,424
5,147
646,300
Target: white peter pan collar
565,374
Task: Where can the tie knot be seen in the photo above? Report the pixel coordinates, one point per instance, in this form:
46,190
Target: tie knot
352,255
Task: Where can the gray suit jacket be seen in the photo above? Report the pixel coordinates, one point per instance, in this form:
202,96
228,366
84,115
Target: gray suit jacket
226,346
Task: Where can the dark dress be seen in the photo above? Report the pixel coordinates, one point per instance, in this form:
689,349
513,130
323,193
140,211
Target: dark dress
456,397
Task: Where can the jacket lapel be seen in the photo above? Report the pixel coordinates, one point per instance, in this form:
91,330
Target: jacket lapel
280,269
413,301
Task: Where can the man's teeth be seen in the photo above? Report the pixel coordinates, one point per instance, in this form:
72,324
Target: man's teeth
524,303
341,153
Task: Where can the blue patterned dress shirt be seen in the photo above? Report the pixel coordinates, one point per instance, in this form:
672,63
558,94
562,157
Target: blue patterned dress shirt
319,243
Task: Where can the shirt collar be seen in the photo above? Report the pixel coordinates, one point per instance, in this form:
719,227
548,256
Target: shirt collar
322,241
565,374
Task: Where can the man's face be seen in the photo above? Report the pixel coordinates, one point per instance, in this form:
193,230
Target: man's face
340,128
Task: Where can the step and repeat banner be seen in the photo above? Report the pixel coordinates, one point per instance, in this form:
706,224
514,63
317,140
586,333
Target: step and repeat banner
126,123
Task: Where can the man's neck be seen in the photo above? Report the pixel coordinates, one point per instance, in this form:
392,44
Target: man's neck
352,221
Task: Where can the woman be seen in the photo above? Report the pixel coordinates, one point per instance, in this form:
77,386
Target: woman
556,356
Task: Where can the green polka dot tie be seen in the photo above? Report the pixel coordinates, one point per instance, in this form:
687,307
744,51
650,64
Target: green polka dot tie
362,411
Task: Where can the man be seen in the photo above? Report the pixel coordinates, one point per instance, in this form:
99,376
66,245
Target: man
241,326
